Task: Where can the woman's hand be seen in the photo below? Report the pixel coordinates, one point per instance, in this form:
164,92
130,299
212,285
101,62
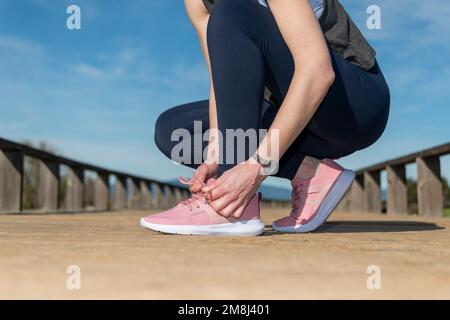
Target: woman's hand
201,176
230,194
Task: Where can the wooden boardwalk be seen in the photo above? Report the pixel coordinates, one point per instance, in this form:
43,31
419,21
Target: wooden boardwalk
118,259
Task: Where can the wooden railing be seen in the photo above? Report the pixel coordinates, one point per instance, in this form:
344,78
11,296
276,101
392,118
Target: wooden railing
128,191
365,194
135,192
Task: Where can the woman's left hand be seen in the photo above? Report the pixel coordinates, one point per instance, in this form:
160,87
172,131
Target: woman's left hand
230,194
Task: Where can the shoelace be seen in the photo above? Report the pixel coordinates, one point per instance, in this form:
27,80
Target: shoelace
194,202
197,199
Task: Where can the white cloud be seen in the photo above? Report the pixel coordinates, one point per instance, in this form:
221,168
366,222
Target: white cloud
89,71
17,45
133,64
40,3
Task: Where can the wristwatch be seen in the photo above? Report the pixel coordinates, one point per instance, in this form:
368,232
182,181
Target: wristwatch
269,167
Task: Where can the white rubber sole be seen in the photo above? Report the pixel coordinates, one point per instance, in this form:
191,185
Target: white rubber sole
236,229
337,192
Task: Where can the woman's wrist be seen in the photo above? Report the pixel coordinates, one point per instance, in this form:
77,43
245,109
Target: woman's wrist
258,171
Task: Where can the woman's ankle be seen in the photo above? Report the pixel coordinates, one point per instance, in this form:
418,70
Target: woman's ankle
308,168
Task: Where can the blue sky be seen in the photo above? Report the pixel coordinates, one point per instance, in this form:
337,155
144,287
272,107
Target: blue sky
95,93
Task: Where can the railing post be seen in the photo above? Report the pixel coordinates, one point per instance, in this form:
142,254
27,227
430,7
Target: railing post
346,202
357,195
158,196
170,196
186,193
429,187
178,195
134,195
11,181
48,189
120,193
101,191
146,199
372,192
397,197
75,189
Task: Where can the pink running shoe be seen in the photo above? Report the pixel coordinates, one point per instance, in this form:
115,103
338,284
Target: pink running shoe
313,200
195,216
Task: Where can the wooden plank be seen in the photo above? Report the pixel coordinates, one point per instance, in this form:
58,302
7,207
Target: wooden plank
11,181
397,198
120,194
75,190
101,191
429,187
48,188
372,192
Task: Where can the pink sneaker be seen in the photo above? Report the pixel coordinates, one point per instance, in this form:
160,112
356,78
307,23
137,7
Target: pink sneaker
195,216
313,200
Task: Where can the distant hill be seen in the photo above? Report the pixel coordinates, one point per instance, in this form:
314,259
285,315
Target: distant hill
269,192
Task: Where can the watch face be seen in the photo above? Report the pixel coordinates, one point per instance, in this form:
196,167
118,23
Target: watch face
270,170
269,167
263,161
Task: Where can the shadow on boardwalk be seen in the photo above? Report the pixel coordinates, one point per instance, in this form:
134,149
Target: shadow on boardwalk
362,226
378,226
369,226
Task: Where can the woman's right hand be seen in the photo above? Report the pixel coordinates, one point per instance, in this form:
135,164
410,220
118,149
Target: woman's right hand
202,175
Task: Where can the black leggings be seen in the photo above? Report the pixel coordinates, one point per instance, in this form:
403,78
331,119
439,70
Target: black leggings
247,53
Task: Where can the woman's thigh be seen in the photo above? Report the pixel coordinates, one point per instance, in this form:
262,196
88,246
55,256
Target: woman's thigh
354,113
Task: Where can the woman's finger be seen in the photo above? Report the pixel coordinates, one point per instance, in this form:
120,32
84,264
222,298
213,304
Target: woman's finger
213,183
198,180
231,209
209,187
222,203
216,192
196,187
239,211
200,175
